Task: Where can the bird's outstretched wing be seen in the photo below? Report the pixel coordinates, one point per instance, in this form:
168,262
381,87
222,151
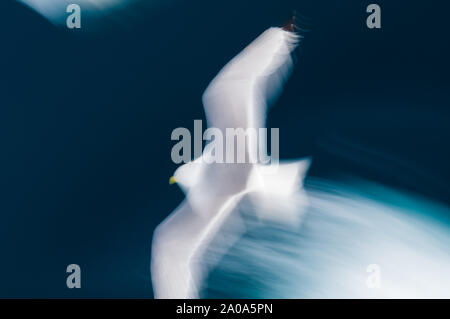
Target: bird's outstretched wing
239,95
180,240
236,98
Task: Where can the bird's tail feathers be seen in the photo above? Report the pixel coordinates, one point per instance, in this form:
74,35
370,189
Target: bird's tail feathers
277,194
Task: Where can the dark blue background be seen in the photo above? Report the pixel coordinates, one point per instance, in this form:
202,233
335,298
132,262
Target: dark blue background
86,117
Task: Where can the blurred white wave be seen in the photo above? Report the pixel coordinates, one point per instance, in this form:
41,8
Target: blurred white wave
327,252
55,10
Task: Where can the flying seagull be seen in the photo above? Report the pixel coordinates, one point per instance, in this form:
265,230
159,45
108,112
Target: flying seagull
238,97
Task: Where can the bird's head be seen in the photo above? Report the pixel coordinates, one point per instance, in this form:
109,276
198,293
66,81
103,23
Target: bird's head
187,175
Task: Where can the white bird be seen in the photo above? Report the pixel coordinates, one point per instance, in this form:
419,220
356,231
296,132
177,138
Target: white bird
363,241
238,97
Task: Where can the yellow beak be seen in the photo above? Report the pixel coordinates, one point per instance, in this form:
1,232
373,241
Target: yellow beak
172,180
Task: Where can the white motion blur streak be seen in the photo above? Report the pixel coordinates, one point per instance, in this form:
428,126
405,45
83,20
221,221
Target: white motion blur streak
237,97
55,10
346,229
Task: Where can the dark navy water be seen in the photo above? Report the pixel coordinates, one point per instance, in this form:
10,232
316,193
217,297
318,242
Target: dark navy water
86,118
